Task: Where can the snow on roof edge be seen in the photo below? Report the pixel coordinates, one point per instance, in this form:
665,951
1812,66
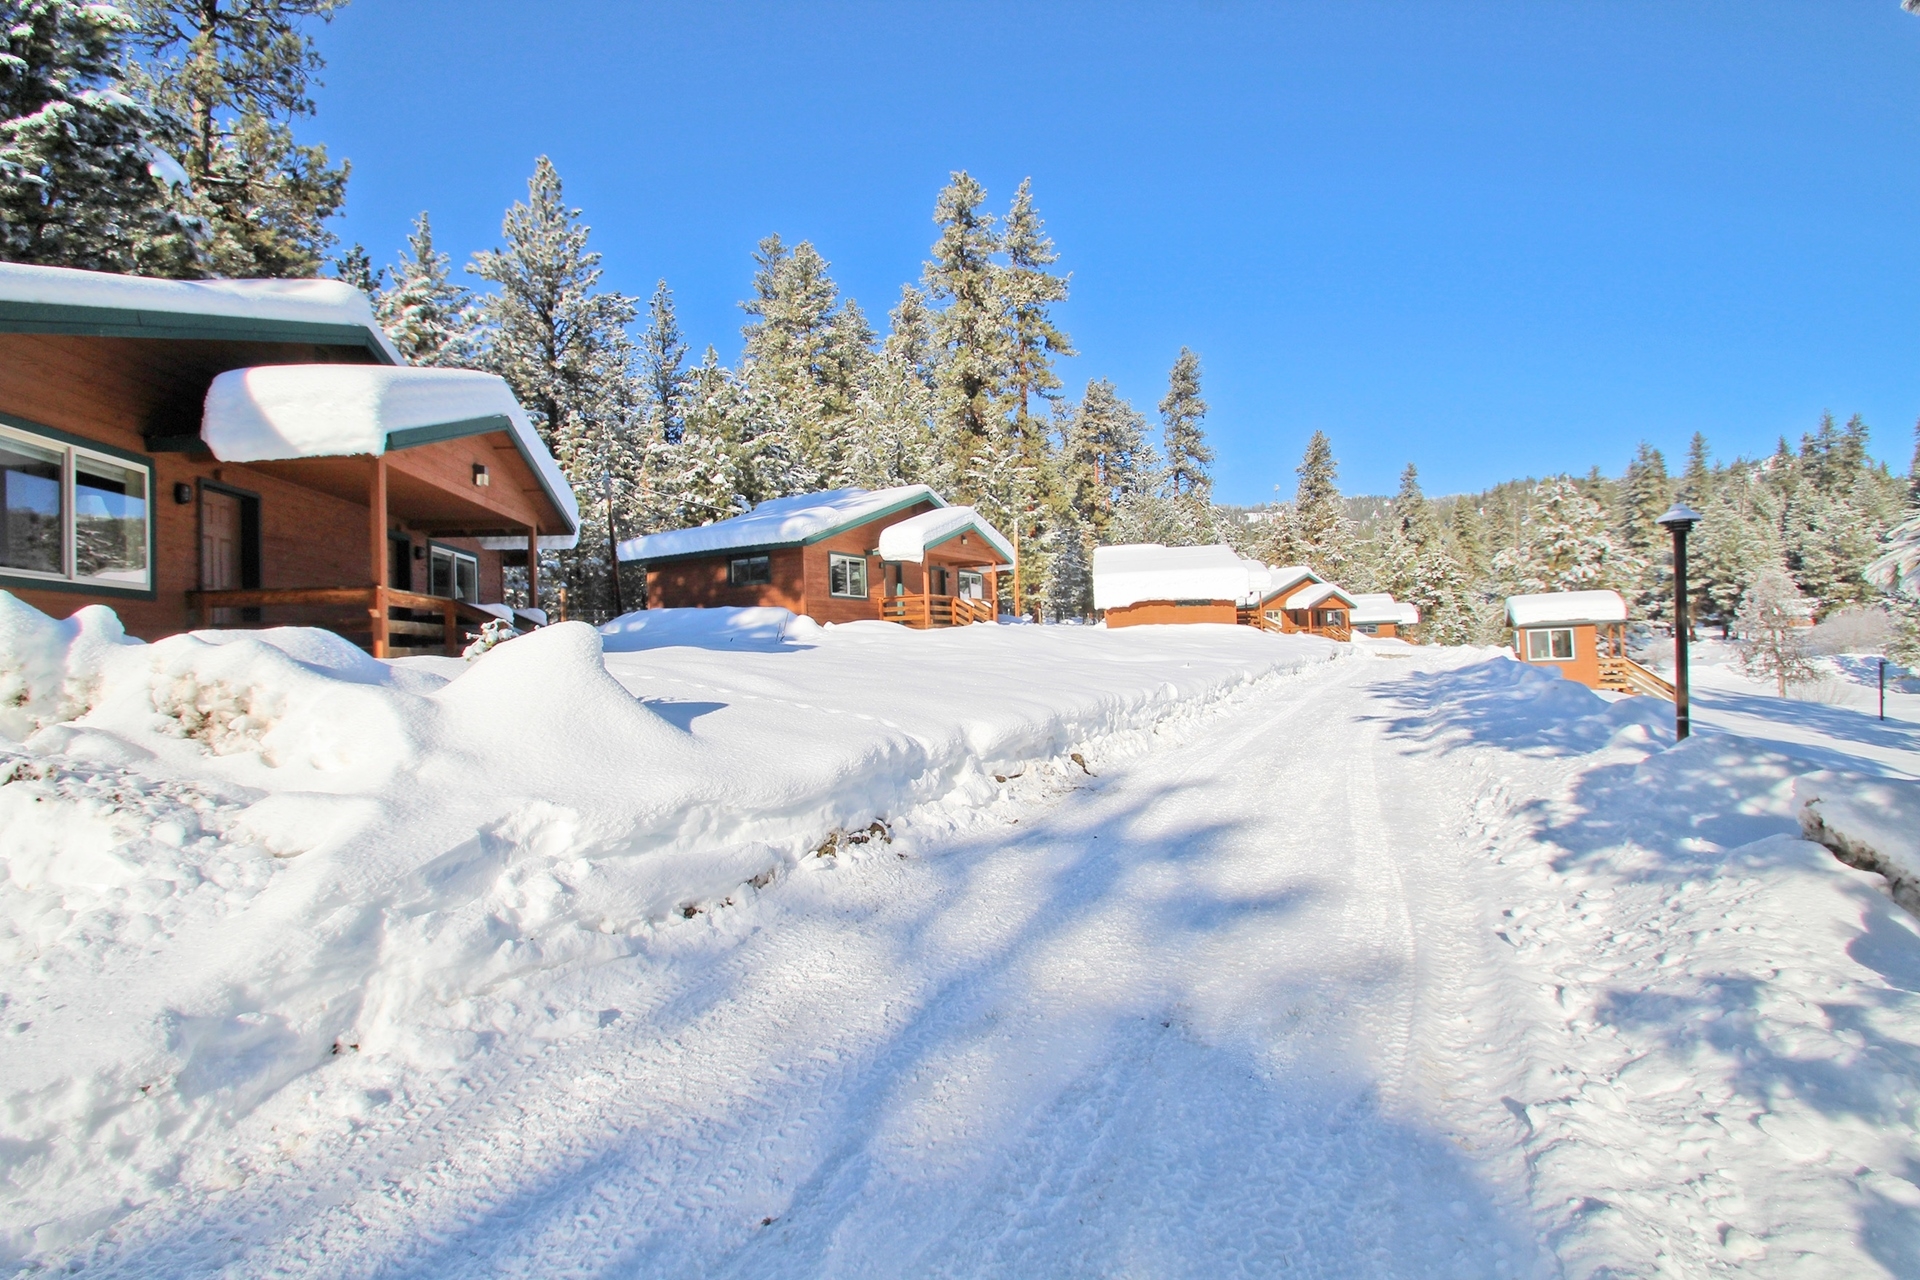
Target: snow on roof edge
910,539
779,522
277,412
1573,607
315,302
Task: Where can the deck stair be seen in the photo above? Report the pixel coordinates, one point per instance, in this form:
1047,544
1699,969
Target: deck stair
1624,675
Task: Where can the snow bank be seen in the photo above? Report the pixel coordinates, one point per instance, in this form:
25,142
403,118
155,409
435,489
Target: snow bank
721,628
1871,823
781,522
235,859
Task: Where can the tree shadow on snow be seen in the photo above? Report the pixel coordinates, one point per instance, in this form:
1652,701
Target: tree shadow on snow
1847,724
1155,1139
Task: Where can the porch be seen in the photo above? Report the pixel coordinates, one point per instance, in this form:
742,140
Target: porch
922,612
1331,623
386,622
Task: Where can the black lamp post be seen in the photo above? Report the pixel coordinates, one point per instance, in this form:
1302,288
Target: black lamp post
1679,519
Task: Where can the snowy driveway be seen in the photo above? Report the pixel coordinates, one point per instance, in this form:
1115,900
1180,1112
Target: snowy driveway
1362,978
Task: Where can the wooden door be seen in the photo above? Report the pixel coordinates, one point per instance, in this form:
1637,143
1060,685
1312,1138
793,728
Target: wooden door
220,549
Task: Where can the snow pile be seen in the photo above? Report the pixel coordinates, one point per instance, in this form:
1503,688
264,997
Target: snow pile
781,522
757,627
233,859
1873,823
909,540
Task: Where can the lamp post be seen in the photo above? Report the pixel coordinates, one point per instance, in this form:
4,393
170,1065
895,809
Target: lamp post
1678,520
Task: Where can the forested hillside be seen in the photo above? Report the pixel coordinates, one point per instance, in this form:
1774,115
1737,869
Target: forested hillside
155,138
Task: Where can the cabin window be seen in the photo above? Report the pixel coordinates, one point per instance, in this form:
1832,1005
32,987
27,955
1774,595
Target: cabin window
70,514
1550,644
973,585
454,575
847,575
749,571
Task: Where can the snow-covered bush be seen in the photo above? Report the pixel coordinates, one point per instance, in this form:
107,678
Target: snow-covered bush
493,633
1855,629
1774,637
50,669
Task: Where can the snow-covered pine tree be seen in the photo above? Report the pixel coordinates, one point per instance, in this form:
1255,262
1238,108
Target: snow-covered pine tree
1772,628
969,327
79,158
355,267
561,344
1315,531
1027,289
1069,579
1696,482
894,440
1566,545
238,72
1189,460
429,315
1415,563
1105,459
1738,538
1645,495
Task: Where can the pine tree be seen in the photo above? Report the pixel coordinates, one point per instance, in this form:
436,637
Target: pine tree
355,267
1189,460
1316,531
663,355
894,440
1566,546
78,157
1069,581
1696,483
429,315
1913,471
1105,458
237,73
1026,289
1645,495
1737,540
969,330
561,344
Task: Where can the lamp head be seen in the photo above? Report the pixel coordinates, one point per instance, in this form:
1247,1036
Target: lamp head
1680,517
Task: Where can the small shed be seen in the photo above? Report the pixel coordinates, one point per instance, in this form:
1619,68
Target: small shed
843,555
1145,582
1576,633
1377,613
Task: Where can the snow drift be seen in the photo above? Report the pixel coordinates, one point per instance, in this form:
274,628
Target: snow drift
233,857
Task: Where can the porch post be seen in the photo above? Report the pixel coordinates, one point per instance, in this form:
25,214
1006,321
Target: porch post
533,567
993,592
377,547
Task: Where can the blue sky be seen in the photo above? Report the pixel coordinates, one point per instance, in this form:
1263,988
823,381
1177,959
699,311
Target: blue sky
1493,239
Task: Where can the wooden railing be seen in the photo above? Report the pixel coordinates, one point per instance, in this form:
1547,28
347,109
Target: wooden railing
368,622
922,612
1624,675
1285,626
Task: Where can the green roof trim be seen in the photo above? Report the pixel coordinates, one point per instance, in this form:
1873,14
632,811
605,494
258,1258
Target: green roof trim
114,322
866,518
413,437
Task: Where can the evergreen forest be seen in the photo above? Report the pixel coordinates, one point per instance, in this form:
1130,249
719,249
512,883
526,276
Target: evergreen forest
154,137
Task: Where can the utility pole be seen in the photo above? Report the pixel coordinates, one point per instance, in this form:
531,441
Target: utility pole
1678,521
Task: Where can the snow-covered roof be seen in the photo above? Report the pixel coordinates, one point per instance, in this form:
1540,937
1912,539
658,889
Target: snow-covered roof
1566,607
1134,572
1283,578
1317,595
910,539
66,300
1375,607
781,522
274,412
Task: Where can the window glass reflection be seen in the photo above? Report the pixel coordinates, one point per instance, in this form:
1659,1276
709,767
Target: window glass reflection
109,522
31,515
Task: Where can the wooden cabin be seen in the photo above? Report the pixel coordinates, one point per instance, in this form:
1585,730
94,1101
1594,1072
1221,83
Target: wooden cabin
847,555
1378,614
1294,600
1572,632
254,452
1147,583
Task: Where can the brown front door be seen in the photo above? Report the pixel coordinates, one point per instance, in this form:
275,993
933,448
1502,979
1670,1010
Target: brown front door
220,549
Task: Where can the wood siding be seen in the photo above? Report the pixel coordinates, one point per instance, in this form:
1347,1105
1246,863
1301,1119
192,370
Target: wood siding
115,390
1584,666
1157,612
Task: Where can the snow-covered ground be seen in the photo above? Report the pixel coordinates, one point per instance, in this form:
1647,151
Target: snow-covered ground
1416,962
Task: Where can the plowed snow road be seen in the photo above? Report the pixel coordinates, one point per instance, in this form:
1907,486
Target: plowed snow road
1313,992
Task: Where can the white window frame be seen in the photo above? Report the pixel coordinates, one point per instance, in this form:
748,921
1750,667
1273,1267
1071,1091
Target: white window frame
453,556
840,559
70,453
1526,641
973,584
